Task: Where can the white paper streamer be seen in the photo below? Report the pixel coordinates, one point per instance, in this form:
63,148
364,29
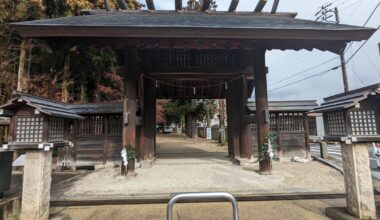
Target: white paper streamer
124,156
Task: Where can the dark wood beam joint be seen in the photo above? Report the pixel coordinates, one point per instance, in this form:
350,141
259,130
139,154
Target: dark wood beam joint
122,4
150,4
275,6
206,5
178,5
260,5
233,5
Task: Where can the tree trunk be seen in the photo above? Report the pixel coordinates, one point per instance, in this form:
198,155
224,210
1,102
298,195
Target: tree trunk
21,68
66,79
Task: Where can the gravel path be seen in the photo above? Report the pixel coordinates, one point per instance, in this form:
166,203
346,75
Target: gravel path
193,165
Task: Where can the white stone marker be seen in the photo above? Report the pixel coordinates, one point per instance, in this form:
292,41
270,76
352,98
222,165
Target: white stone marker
358,181
36,185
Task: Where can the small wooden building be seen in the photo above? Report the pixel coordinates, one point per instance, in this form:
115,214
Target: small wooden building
98,137
352,116
37,122
289,120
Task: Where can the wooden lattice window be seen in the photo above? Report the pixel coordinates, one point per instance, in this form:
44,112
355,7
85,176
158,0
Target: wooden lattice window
291,121
336,123
56,129
91,125
115,124
363,122
29,129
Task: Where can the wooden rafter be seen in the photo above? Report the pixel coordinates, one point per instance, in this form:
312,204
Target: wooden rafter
150,4
260,5
206,5
275,6
122,4
233,5
178,5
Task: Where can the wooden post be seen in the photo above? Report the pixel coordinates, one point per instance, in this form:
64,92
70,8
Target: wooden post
149,122
278,131
129,100
106,139
275,6
261,95
233,110
307,141
245,147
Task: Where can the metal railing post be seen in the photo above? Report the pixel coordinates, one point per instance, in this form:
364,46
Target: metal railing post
202,196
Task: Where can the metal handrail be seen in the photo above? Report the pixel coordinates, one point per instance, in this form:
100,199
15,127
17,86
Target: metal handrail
202,196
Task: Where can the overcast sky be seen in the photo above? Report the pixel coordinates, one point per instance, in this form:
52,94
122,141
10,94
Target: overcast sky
363,69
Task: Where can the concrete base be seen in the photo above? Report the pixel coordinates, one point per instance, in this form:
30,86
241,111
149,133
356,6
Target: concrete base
36,185
358,181
339,213
243,161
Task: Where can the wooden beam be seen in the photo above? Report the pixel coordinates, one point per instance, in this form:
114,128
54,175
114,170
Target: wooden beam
107,5
275,6
206,5
178,5
261,96
260,5
122,4
150,4
233,5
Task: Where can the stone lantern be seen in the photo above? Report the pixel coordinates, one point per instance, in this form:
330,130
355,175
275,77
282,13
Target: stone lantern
353,119
37,125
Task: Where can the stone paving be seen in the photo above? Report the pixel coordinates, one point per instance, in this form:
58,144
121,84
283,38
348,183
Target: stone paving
194,165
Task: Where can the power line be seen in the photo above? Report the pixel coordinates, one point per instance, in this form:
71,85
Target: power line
303,71
366,22
361,46
370,60
306,78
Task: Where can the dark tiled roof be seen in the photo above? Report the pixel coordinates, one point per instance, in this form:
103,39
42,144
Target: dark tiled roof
124,24
347,100
43,105
287,106
97,108
184,20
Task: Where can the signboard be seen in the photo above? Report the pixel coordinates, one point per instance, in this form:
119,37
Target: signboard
208,131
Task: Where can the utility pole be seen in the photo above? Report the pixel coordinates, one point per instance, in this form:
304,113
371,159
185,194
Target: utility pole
324,15
342,58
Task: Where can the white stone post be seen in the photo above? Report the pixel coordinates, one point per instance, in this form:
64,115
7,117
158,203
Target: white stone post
358,181
36,185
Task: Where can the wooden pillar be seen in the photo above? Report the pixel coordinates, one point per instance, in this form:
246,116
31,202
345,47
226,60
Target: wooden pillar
307,141
149,123
245,147
278,131
261,95
106,139
229,125
233,117
129,99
